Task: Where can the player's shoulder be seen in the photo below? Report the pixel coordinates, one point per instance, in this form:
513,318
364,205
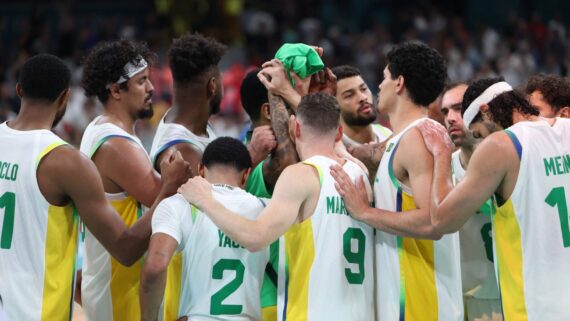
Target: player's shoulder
64,157
175,202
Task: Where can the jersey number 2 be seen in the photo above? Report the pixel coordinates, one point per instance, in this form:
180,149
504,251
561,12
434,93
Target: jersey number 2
8,203
557,198
216,306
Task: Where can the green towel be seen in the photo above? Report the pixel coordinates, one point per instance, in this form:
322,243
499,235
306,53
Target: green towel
300,58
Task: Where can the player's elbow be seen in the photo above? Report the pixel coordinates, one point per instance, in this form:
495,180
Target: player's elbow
154,268
432,233
443,225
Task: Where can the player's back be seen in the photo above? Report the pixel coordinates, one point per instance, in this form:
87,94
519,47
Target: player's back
326,262
220,278
531,231
38,241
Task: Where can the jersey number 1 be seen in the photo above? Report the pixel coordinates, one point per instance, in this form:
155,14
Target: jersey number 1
8,203
557,198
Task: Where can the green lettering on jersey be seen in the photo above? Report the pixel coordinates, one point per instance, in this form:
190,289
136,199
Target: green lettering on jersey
225,241
557,165
8,171
221,237
335,205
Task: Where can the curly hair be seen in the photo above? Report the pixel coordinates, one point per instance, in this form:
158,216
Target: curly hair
423,68
44,77
320,111
345,71
226,151
105,65
502,107
192,54
554,89
474,90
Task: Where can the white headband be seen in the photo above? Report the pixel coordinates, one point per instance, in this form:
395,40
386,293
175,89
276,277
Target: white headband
488,95
131,69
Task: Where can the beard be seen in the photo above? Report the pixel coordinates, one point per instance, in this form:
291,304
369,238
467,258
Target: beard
146,113
353,119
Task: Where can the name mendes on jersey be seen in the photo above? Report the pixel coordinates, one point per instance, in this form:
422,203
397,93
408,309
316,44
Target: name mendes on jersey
557,165
8,171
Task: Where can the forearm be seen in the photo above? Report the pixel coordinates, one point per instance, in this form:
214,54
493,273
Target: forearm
413,223
284,154
244,231
442,184
151,294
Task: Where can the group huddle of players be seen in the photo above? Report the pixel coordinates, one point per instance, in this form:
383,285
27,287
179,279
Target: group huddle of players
320,214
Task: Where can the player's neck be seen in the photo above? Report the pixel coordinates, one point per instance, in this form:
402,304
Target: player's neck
518,117
190,111
316,148
360,134
33,117
118,115
465,153
224,177
404,114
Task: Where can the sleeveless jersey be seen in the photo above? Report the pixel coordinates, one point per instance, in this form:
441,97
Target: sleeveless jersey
220,279
38,241
475,238
326,262
381,133
415,279
109,290
168,134
531,230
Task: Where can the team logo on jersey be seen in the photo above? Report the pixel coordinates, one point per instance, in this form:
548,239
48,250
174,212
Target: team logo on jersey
389,147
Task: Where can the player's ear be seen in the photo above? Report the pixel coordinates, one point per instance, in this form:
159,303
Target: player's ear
63,97
19,90
564,112
212,87
265,111
202,170
484,109
244,176
338,134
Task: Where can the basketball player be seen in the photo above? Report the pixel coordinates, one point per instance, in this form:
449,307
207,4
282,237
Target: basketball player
357,113
325,259
210,255
550,94
525,167
45,185
117,73
417,278
481,296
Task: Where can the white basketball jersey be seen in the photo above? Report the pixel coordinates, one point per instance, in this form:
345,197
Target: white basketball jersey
168,134
326,265
531,230
220,279
109,290
476,240
38,241
415,279
381,133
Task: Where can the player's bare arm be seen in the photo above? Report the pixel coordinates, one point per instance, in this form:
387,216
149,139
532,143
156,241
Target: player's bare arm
412,165
284,154
153,276
125,166
65,175
290,197
490,169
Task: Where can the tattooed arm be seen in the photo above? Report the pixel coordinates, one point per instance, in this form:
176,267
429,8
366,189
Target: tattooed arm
370,155
284,154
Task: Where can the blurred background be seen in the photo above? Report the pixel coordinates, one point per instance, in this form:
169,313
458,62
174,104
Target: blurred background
479,38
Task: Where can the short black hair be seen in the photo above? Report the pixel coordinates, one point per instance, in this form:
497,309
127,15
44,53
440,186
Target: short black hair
226,151
555,89
451,86
319,111
502,107
192,54
253,94
474,90
345,71
105,65
423,68
44,77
